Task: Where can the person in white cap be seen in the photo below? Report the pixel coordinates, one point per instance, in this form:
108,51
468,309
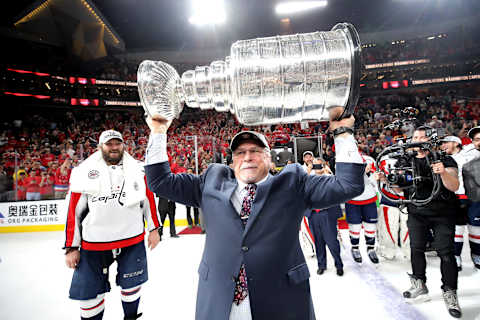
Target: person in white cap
471,178
308,162
108,202
252,265
452,146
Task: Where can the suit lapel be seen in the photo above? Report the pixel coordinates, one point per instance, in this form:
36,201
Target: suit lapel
263,190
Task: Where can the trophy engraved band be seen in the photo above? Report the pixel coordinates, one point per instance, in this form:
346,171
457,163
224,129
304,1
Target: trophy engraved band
282,79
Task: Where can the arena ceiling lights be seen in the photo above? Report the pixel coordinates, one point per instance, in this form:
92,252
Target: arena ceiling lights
298,6
208,12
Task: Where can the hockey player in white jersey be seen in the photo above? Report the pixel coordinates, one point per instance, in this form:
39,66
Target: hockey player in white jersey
471,181
108,203
392,231
363,210
452,146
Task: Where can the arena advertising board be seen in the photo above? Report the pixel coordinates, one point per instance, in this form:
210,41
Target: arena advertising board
28,216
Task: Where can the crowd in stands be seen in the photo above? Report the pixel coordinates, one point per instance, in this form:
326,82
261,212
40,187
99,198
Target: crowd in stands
455,45
112,68
39,151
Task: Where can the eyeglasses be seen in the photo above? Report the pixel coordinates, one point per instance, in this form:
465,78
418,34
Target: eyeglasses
240,153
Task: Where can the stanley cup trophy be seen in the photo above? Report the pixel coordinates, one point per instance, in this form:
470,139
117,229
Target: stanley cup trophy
282,79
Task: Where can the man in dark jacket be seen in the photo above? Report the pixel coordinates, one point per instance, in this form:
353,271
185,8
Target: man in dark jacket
438,215
167,207
252,265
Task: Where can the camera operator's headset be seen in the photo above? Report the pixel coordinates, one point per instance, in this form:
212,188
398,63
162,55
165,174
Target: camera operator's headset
403,153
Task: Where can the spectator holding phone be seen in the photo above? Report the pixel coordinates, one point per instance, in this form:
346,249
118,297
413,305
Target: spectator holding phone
62,176
46,185
32,186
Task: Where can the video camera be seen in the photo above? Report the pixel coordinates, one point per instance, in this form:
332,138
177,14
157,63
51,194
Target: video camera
396,162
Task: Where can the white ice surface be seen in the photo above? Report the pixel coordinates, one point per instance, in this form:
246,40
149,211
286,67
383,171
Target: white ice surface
34,283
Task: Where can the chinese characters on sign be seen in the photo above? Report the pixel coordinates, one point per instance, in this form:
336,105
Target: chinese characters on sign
33,213
32,210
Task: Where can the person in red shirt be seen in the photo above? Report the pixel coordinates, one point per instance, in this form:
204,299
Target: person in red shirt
32,186
179,168
46,185
47,157
62,176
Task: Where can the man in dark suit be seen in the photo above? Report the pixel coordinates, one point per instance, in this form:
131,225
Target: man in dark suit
167,208
252,265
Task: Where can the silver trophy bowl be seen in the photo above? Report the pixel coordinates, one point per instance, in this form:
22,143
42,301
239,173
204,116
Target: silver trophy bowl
282,79
160,89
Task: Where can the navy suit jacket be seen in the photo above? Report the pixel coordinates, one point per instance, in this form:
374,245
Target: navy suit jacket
269,245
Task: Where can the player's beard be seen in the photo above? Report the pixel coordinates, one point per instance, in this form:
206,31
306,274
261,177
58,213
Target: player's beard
114,158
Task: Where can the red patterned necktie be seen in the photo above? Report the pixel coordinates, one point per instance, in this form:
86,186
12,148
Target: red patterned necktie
241,289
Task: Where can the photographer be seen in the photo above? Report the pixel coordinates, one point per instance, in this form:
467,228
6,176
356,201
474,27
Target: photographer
308,162
439,215
323,223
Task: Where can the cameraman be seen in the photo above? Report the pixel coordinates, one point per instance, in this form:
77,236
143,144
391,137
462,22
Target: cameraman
438,215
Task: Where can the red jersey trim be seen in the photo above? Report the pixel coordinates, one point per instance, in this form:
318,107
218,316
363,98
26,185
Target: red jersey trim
308,229
387,223
151,203
462,196
101,246
361,202
391,195
98,305
70,229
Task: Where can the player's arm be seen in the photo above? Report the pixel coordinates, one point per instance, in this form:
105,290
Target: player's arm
77,204
348,182
181,188
150,213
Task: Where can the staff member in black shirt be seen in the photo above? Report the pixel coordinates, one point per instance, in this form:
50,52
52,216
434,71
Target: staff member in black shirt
439,215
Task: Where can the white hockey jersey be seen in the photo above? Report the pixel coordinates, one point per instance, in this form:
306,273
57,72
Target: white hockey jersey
386,164
369,194
465,155
105,207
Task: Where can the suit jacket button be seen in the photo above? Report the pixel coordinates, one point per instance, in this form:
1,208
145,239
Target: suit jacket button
244,248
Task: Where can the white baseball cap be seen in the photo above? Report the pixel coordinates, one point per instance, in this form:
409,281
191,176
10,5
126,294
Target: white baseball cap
452,139
308,152
473,131
109,135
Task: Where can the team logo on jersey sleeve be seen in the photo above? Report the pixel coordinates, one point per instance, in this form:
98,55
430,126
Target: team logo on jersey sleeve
93,174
